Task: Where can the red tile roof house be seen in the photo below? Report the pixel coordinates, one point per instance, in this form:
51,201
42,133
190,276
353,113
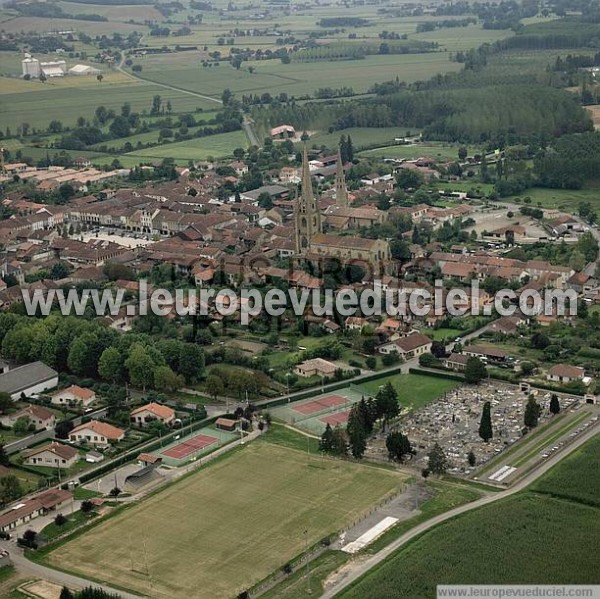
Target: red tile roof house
408,347
74,395
96,433
54,455
40,417
456,362
564,373
52,499
144,415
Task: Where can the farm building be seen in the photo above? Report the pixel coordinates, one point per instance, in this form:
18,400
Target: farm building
28,379
283,131
55,68
84,69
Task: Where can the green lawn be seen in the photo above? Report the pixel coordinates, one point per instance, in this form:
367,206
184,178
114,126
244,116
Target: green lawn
236,521
414,390
441,334
563,199
52,530
430,149
361,137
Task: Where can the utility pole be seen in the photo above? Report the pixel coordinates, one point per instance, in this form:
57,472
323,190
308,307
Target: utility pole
308,589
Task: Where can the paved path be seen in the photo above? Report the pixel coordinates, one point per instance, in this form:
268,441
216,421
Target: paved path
359,569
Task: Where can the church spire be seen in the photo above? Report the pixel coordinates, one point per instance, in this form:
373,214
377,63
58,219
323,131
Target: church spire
307,215
341,191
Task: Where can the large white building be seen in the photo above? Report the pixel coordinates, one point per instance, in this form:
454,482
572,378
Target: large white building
84,69
56,68
34,68
31,66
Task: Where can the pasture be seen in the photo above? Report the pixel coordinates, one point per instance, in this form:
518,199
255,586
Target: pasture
414,390
224,528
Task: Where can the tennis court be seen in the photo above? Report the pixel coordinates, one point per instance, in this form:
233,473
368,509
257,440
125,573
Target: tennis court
318,405
194,445
336,419
184,449
313,414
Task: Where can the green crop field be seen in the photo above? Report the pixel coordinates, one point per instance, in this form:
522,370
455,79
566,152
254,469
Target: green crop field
413,389
200,148
509,542
186,72
576,478
229,525
66,99
515,541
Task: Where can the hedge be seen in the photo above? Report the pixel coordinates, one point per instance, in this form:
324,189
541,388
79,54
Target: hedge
437,374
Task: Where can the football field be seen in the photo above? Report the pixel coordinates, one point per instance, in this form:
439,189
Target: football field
226,527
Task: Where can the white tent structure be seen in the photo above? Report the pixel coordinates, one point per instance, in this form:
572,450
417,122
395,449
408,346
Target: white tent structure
83,69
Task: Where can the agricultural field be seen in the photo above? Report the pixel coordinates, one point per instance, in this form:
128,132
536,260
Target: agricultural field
237,521
92,28
510,542
577,477
200,148
125,13
507,542
186,72
68,98
414,390
462,38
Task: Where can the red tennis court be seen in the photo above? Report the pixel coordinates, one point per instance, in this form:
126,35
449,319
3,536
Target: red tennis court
319,404
335,419
189,446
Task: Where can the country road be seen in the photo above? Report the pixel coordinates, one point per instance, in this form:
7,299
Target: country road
246,122
359,569
24,566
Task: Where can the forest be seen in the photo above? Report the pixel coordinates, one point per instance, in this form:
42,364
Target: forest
569,161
